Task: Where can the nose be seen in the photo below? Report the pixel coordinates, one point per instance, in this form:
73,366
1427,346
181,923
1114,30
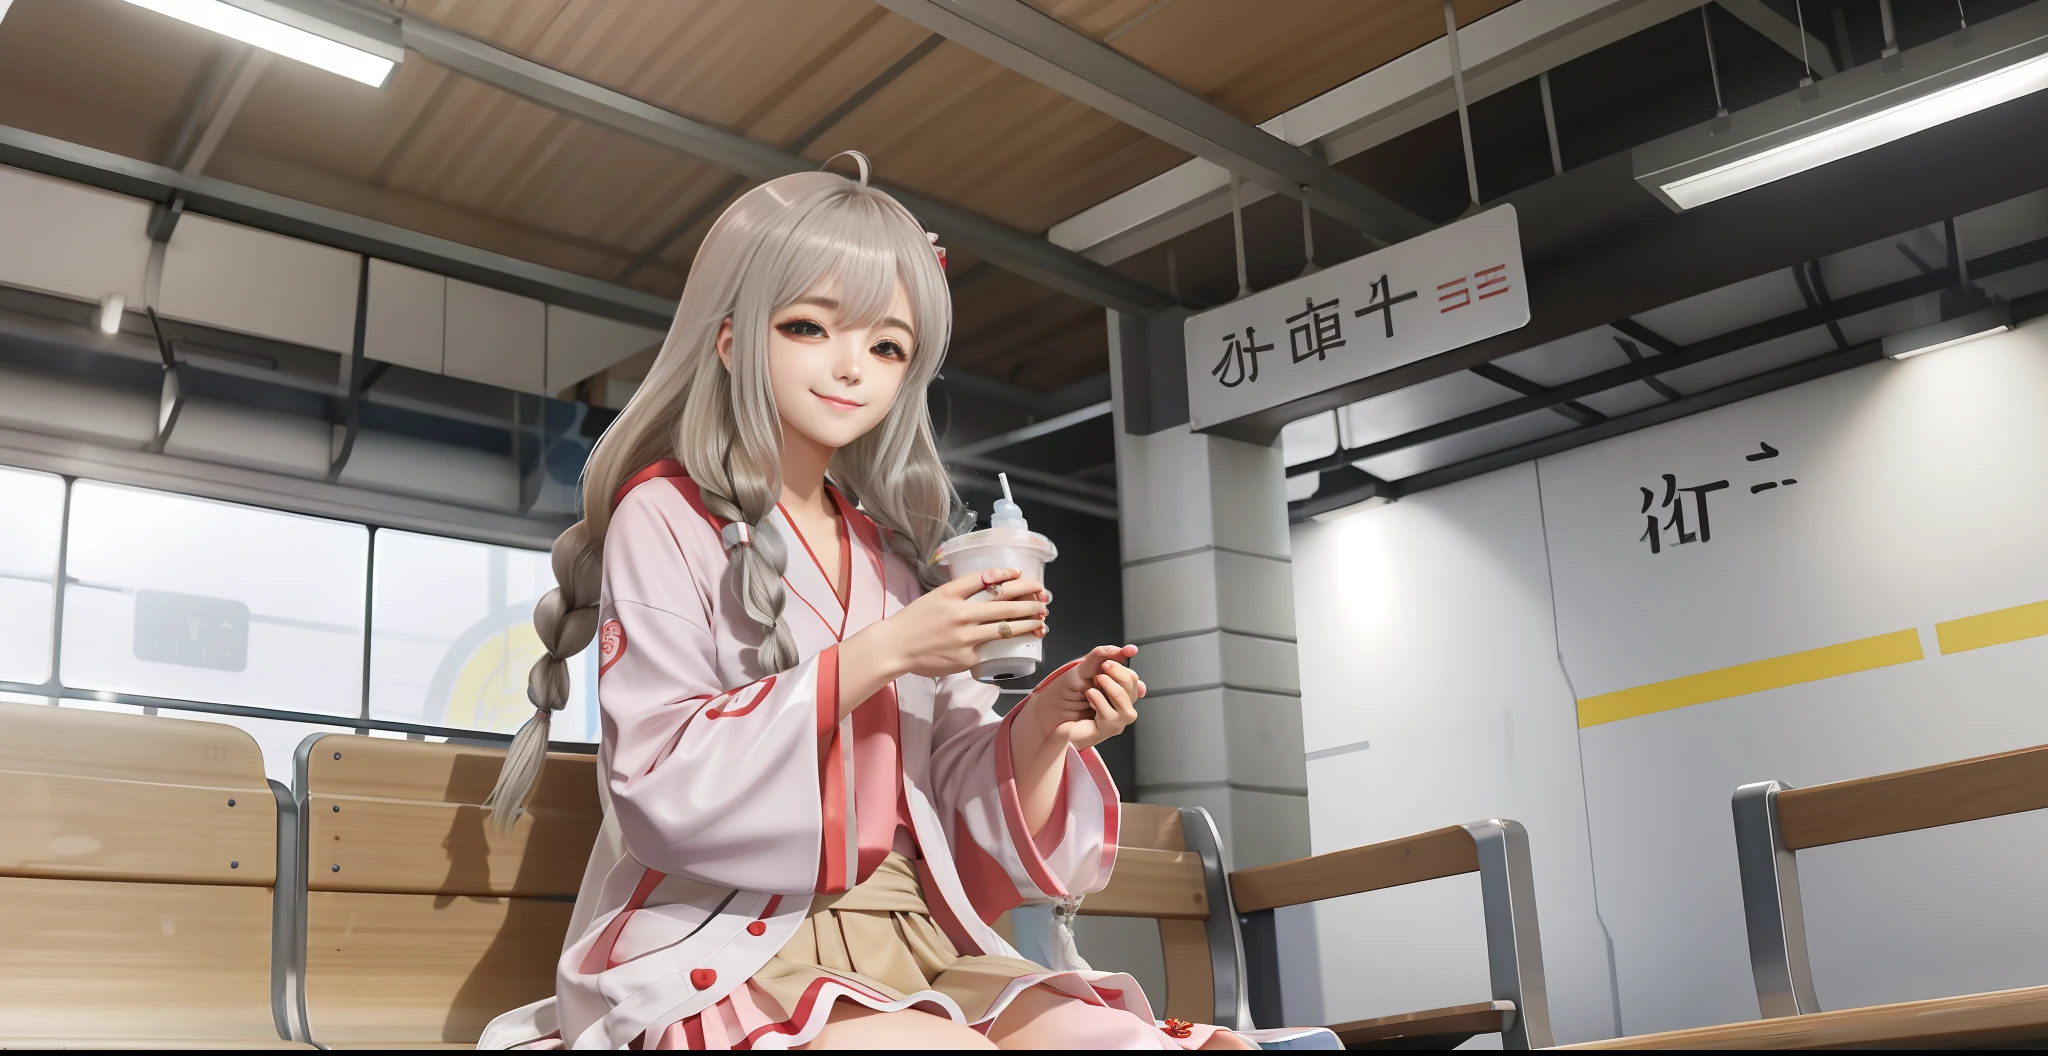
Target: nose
847,368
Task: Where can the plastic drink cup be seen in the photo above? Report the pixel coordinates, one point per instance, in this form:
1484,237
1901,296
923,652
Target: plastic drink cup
1009,543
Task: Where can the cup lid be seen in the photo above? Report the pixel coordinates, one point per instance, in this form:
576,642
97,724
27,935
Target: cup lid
1023,539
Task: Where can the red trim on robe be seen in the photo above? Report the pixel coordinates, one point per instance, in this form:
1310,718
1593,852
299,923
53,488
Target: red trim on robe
1013,808
832,864
804,1004
990,890
600,956
723,712
942,911
828,694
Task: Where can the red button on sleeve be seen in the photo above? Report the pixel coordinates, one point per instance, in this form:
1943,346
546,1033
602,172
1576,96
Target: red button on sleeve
703,978
757,928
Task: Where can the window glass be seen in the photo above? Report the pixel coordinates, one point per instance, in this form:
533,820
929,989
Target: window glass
31,522
172,596
452,637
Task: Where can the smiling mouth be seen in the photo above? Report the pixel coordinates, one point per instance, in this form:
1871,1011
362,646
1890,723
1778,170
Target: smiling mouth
836,403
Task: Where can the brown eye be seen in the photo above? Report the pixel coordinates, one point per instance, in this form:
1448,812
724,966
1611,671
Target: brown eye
801,328
890,350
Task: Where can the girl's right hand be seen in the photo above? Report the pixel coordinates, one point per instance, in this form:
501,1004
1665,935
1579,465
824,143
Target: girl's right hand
937,634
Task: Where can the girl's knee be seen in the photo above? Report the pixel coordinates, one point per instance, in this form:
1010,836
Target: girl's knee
1063,1023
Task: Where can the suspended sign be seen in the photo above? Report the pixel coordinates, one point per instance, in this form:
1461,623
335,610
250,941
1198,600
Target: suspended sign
1458,284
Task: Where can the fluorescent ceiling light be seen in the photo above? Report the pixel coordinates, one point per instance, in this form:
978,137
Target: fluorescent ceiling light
1993,62
359,51
1994,318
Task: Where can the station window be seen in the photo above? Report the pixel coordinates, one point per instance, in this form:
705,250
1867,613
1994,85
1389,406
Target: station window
452,636
29,536
172,596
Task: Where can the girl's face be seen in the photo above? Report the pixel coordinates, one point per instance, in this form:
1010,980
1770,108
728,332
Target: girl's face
833,383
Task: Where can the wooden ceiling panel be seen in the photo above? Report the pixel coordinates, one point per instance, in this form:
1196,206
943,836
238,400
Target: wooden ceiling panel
965,130
1260,60
1017,331
99,72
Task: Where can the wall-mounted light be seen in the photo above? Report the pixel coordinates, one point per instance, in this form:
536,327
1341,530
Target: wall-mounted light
1961,322
111,306
1993,62
354,41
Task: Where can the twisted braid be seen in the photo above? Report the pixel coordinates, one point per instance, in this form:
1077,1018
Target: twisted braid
565,620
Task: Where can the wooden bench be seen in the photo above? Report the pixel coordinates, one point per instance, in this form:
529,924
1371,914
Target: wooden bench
1223,968
138,858
1774,821
1496,849
420,921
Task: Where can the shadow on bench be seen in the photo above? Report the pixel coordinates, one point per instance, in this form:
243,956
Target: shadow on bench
421,922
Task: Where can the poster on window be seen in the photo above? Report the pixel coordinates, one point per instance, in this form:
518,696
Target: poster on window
1458,284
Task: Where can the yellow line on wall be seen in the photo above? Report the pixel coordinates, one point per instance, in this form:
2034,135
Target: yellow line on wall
1993,628
1863,654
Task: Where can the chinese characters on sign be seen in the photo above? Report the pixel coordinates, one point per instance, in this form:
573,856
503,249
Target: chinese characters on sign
1359,318
1667,523
1240,362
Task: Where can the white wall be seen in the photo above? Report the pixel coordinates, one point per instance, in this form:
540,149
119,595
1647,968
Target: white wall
1426,632
1427,629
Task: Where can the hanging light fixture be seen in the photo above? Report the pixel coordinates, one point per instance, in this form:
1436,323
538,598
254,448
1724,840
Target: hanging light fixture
356,41
1992,62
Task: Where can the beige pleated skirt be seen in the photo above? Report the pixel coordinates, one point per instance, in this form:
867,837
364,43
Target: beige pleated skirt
882,936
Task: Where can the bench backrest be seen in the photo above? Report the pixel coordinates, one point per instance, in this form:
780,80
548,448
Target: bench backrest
137,858
1774,820
421,920
1169,867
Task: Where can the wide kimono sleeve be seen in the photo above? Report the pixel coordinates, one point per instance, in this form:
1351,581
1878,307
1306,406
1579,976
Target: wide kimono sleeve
1000,861
713,783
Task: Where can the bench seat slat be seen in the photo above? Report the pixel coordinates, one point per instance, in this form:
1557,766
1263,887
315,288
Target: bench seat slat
64,740
1988,786
397,845
100,960
407,969
63,827
1448,851
1996,1018
1458,1022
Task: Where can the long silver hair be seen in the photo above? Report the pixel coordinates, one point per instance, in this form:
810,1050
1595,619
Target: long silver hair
806,233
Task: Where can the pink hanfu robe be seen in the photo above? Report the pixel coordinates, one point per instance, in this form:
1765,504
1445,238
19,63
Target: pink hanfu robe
731,799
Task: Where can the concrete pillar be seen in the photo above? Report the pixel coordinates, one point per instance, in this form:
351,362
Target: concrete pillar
1209,600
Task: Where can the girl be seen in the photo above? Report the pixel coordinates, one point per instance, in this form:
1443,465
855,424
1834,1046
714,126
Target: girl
811,812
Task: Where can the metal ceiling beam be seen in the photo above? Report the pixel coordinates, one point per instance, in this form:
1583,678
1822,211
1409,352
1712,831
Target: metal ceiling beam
1029,432
329,227
1022,38
1755,385
1025,254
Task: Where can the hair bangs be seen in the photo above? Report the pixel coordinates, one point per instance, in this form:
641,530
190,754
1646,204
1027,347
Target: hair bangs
854,248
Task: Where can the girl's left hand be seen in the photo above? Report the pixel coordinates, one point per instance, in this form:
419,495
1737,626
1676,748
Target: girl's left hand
1091,701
